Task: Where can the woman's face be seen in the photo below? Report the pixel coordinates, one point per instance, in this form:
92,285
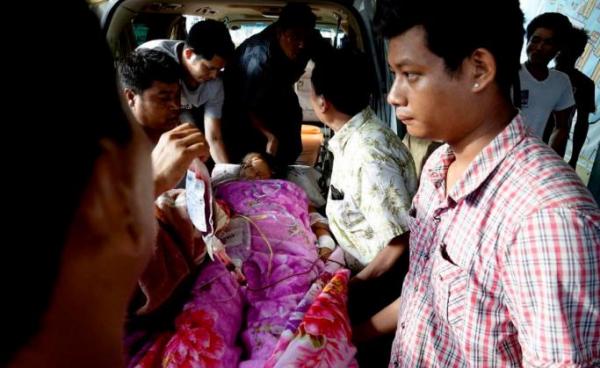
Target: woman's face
255,169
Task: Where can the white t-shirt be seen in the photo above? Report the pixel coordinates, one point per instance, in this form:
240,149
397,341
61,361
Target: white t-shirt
209,94
540,98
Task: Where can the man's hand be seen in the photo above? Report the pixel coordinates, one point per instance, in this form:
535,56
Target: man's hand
560,134
385,259
272,144
173,154
259,124
324,253
382,323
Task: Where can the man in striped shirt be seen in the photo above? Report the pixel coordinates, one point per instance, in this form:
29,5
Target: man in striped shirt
505,239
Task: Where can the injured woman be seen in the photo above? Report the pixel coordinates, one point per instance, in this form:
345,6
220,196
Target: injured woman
267,299
263,166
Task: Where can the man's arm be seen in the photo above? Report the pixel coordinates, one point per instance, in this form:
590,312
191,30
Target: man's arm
560,135
385,259
585,106
173,154
579,134
259,124
550,274
258,77
386,194
212,128
382,323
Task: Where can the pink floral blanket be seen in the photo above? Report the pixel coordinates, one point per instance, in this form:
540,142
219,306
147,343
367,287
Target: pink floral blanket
289,312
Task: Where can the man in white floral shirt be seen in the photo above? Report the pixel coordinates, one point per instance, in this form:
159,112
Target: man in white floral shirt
373,178
372,183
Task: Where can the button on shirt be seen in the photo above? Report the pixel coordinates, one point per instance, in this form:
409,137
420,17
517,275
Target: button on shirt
505,270
374,180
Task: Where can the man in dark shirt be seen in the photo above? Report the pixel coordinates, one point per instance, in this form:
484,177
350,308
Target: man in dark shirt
583,87
261,110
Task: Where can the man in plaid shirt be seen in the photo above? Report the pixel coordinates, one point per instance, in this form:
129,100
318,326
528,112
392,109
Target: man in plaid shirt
505,239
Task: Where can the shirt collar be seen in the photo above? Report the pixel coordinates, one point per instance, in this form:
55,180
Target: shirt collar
484,163
338,142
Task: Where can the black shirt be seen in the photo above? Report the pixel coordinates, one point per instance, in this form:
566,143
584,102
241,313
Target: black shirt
260,78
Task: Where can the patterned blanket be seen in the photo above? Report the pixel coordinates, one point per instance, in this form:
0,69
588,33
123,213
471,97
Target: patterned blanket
290,309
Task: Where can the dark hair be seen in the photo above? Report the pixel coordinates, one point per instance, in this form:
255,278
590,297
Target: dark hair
209,38
454,29
278,169
64,131
558,23
344,79
296,15
577,40
141,68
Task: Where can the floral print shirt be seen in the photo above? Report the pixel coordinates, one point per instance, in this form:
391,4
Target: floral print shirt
372,184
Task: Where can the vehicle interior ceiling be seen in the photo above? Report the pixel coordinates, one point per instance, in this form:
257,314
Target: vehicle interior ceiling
165,19
137,21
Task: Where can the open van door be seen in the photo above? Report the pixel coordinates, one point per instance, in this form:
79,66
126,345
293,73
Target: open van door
127,23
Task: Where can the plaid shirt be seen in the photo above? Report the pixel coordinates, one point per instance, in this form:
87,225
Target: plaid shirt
505,270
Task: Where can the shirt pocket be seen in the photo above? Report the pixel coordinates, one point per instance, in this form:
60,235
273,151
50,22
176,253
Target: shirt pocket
449,289
345,211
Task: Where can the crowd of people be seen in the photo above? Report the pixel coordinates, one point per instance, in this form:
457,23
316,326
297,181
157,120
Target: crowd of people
487,256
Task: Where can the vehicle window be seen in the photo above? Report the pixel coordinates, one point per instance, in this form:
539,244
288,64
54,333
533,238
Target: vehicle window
140,32
244,31
240,32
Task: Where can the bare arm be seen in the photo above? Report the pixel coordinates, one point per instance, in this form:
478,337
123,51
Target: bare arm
382,323
386,258
272,142
212,129
560,135
579,134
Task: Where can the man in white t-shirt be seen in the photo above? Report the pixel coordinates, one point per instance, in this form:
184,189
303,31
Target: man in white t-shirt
546,91
201,56
373,181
